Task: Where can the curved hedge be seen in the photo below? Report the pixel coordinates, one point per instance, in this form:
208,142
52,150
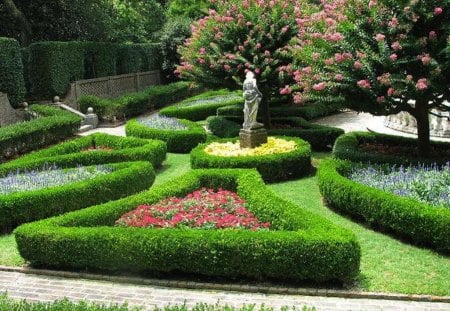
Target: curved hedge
272,167
301,245
320,137
52,126
124,149
25,206
346,148
202,106
419,222
178,141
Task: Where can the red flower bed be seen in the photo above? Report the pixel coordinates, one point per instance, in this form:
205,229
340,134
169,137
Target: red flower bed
201,209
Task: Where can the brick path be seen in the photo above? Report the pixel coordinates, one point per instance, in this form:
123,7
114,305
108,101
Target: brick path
49,288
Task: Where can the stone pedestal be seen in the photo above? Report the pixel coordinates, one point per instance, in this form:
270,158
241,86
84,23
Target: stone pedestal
252,138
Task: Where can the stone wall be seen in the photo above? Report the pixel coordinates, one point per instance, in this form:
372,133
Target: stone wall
8,115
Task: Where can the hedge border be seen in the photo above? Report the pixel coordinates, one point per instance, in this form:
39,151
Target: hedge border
346,148
52,126
125,149
303,246
419,222
178,141
20,207
12,71
272,167
201,111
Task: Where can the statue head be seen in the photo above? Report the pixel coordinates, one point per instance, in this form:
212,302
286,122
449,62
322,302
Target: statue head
249,75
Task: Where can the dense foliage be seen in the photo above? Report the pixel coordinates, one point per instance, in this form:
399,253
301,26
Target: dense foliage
11,70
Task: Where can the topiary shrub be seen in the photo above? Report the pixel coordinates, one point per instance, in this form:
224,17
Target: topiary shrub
299,246
272,167
348,147
418,222
11,71
222,127
25,206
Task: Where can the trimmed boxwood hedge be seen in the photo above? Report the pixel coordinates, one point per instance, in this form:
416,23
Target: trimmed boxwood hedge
178,141
419,222
11,71
301,245
346,148
20,207
52,126
124,149
202,106
320,137
272,167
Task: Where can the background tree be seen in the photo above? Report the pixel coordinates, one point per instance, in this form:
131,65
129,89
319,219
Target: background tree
240,36
381,57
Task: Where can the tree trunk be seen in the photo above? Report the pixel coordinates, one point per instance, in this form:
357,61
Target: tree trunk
265,109
19,17
423,127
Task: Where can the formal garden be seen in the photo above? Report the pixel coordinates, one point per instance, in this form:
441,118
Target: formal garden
202,187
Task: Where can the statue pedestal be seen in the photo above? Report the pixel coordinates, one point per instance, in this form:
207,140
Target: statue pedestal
252,138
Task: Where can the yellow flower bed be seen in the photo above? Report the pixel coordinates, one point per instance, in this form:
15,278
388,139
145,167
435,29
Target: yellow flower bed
229,149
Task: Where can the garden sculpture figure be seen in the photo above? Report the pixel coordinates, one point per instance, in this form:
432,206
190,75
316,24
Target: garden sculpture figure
252,97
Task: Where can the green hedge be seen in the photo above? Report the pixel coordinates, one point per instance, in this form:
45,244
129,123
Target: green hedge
301,245
308,112
134,104
178,141
320,137
20,207
202,106
419,222
124,149
11,71
52,65
272,167
52,126
346,148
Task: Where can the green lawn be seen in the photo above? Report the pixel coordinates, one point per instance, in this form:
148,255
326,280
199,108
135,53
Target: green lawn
387,264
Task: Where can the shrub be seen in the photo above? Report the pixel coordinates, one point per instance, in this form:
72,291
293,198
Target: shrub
20,207
301,245
272,167
52,126
419,222
347,148
11,71
202,106
180,141
121,149
223,128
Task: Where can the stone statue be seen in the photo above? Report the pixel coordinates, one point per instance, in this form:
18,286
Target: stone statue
252,97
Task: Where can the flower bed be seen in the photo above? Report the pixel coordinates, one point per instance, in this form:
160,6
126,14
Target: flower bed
160,122
232,149
54,198
108,149
418,222
272,166
354,147
201,209
202,106
177,140
299,245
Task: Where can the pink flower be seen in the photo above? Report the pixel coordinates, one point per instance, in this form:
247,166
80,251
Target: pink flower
393,57
201,60
409,78
226,67
336,37
286,90
357,65
380,99
315,56
390,91
307,69
298,98
284,29
328,61
379,37
365,84
372,3
319,86
338,58
432,35
241,48
258,45
422,84
396,46
202,51
257,70
218,35
339,77
426,59
438,11
393,22
267,52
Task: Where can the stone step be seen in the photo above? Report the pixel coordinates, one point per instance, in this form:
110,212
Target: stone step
85,128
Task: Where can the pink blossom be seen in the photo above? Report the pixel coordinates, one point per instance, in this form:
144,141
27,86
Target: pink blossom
372,3
315,56
393,22
297,98
438,11
338,58
339,77
286,90
390,91
365,84
336,37
218,35
201,60
202,51
426,59
396,46
307,69
422,84
248,23
319,86
379,37
409,78
432,35
357,65
284,29
258,45
241,48
393,57
257,70
329,61
267,52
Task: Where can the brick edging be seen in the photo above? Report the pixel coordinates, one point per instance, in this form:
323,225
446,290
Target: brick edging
267,289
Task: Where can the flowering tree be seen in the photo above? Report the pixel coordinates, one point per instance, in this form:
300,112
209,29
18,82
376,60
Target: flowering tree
384,57
244,35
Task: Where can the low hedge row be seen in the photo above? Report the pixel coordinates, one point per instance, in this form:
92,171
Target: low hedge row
122,149
25,206
419,222
134,104
178,141
52,126
300,244
347,148
272,167
320,137
202,106
11,71
308,112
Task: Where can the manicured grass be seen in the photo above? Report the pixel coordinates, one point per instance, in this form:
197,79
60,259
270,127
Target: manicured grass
387,264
